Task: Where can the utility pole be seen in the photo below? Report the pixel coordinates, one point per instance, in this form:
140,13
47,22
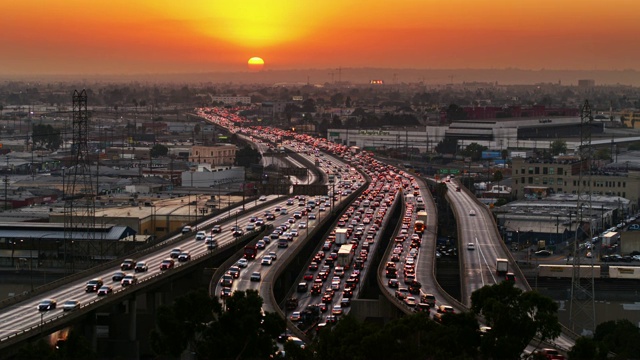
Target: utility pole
582,316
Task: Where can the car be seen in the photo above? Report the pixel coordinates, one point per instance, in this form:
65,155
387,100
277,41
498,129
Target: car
273,255
255,276
410,301
345,302
128,264
93,285
302,225
428,299
105,290
510,277
402,293
471,246
262,198
295,316
216,229
261,245
47,304
551,354
225,292
472,213
226,280
393,283
130,279
445,309
167,264
266,260
312,216
184,256
242,263
71,305
336,310
302,287
118,275
543,253
187,229
237,233
234,271
250,227
175,253
200,235
458,188
141,266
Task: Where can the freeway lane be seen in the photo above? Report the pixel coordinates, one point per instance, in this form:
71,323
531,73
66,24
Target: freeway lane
475,225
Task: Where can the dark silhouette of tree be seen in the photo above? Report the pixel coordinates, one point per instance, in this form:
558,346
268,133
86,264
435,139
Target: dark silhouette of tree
447,146
515,318
159,150
497,176
455,112
337,99
336,123
474,151
347,103
558,147
46,136
308,106
247,156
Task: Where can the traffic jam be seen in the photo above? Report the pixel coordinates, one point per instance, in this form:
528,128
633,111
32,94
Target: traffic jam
324,291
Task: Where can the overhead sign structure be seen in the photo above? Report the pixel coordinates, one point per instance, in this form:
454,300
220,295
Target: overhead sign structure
294,171
310,189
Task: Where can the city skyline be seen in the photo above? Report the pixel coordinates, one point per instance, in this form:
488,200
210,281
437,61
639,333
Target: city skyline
167,37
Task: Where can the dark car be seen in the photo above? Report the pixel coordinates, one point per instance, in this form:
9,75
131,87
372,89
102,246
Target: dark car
510,277
127,264
47,304
93,285
543,253
141,266
216,229
118,275
105,290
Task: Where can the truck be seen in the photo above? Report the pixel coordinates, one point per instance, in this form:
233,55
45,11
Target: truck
419,227
502,266
610,238
542,245
345,256
422,216
341,236
250,252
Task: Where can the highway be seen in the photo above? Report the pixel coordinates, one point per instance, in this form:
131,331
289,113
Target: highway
24,315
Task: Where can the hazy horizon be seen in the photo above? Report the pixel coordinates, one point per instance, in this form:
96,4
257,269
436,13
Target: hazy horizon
390,76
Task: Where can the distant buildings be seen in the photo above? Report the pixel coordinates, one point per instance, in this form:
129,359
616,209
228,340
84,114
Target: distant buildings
217,155
587,83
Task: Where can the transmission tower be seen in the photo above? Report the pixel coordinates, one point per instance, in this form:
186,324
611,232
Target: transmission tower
582,314
79,198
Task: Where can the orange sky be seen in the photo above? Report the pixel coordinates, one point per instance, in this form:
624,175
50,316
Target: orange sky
168,36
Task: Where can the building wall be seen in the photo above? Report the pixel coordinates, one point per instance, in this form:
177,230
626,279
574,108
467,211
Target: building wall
564,178
221,155
232,100
629,241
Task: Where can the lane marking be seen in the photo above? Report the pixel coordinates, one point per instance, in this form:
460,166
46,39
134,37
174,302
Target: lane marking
486,263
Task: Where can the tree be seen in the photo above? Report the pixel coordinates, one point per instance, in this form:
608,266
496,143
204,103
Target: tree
159,150
558,147
247,156
336,123
497,176
347,103
515,318
474,151
455,112
46,136
447,146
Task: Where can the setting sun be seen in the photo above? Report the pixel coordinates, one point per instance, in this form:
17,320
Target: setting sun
255,63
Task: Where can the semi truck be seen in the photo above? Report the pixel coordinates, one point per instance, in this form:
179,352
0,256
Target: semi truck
421,222
422,216
345,256
502,266
341,236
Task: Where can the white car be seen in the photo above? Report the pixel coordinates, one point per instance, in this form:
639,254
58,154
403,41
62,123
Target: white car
243,263
472,213
267,260
471,246
262,198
